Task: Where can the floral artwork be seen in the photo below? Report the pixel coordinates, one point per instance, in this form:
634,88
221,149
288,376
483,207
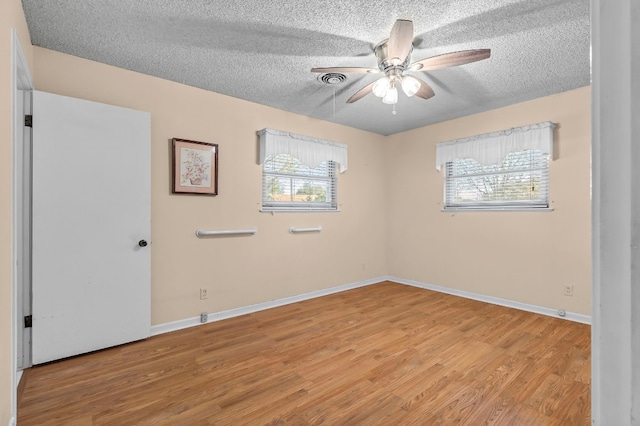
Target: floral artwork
195,167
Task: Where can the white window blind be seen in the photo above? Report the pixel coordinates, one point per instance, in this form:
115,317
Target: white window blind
299,172
498,171
520,180
289,185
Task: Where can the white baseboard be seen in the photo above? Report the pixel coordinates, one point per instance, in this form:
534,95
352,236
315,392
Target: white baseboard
13,420
571,316
217,316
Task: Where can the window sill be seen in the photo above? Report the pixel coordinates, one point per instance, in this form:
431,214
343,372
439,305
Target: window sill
272,211
496,209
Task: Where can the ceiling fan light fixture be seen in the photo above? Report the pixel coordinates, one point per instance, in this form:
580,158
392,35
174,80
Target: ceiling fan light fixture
410,85
391,97
381,87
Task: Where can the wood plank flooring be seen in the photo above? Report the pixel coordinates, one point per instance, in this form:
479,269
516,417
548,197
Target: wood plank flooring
386,354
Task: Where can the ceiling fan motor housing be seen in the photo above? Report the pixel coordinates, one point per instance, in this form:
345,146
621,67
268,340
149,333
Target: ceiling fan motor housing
385,63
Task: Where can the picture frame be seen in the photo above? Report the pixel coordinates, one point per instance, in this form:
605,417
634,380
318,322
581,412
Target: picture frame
195,167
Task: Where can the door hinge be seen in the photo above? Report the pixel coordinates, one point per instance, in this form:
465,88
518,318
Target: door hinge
28,120
28,321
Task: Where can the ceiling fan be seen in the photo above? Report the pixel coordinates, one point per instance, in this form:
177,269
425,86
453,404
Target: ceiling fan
394,60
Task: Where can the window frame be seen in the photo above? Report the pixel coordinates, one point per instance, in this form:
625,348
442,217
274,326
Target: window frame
504,204
299,206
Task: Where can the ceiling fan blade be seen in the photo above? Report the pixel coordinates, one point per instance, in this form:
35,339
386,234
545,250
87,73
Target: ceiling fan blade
345,70
400,41
425,91
361,93
451,59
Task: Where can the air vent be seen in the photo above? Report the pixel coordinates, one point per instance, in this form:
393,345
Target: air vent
332,78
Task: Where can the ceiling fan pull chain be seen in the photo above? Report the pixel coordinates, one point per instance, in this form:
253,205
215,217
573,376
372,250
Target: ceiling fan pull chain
334,101
394,109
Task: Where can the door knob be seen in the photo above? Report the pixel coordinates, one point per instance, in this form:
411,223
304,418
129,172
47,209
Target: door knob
142,243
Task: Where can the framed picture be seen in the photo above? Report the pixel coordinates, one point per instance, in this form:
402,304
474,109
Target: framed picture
195,167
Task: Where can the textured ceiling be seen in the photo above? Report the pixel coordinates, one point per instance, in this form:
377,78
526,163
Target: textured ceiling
263,50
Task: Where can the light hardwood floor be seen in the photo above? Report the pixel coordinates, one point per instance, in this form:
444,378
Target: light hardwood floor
385,354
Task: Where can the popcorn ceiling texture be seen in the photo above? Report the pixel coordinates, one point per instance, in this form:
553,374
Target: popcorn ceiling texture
262,51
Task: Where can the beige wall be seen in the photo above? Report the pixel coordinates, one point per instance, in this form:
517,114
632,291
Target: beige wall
520,256
243,270
11,16
411,239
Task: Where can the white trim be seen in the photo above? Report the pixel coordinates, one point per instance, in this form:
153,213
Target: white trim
496,209
20,76
13,420
231,313
615,102
296,210
310,151
491,148
571,316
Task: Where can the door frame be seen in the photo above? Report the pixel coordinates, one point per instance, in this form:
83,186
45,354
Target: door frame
20,288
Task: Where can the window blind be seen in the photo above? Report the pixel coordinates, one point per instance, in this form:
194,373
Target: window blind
520,180
289,185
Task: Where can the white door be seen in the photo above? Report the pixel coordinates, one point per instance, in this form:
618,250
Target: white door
90,226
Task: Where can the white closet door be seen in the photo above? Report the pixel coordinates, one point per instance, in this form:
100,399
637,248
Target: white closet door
91,226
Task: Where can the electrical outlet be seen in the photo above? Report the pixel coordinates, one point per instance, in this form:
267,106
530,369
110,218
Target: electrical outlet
203,293
568,290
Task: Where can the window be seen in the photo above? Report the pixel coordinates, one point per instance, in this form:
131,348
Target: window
505,170
520,180
299,173
287,184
